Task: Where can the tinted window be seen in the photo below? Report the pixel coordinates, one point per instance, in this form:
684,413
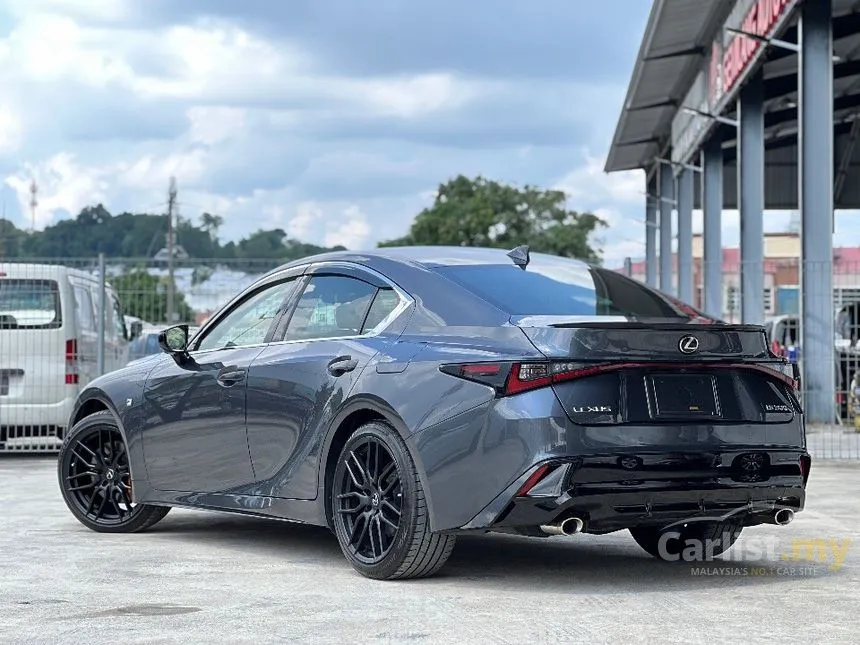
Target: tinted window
118,320
249,321
558,287
29,304
84,309
330,307
384,303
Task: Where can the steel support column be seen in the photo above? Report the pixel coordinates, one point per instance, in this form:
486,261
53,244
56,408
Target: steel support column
712,212
751,198
667,201
685,236
651,202
815,137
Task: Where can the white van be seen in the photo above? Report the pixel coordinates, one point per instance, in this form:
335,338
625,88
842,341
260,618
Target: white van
49,349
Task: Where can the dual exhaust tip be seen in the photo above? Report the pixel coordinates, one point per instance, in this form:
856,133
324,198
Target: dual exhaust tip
574,525
568,526
783,516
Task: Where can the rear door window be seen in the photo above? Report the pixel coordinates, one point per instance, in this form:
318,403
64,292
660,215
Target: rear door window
84,309
29,304
331,307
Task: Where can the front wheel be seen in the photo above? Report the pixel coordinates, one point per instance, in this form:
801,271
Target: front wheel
380,512
95,478
691,542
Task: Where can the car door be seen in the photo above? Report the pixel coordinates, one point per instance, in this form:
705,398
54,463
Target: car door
194,436
87,332
295,386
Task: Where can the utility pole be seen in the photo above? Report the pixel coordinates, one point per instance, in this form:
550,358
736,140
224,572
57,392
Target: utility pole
171,242
3,230
33,203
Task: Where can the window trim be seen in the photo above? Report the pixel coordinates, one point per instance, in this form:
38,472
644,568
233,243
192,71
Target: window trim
269,282
301,274
344,270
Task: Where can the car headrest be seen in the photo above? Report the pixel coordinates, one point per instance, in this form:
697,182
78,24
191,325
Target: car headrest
350,315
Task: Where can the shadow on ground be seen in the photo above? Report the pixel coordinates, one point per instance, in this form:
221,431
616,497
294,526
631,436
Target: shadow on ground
596,563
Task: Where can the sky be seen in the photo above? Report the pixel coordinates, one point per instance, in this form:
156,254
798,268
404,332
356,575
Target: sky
334,120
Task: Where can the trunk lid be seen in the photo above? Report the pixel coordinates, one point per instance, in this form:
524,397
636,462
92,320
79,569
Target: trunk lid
617,372
602,338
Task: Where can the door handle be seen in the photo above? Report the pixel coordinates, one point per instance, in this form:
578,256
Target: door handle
230,377
341,365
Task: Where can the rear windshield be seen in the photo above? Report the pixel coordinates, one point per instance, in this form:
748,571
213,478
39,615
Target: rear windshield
29,304
565,288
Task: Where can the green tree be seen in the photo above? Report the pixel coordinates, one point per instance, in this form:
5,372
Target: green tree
145,296
210,224
481,212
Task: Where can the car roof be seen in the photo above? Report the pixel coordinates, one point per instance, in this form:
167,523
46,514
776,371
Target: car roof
29,270
429,256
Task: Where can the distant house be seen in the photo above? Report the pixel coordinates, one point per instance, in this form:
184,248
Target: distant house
781,275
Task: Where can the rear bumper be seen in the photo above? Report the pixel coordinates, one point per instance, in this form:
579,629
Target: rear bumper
473,465
618,491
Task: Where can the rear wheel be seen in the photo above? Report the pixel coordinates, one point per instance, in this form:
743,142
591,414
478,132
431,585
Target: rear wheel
380,512
691,542
95,478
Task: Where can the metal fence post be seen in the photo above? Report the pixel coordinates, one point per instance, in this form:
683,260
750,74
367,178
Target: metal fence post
101,319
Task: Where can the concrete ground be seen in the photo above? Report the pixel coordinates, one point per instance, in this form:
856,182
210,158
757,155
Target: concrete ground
208,578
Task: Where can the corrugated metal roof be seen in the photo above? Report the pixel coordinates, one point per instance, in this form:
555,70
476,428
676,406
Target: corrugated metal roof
673,49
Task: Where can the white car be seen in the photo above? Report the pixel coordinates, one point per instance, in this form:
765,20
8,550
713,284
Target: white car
49,348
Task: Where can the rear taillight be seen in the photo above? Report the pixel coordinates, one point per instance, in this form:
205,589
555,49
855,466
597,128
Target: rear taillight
72,362
514,378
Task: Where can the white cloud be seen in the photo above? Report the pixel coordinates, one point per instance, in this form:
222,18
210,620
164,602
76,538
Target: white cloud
11,130
302,224
214,124
350,230
234,86
614,197
62,185
103,10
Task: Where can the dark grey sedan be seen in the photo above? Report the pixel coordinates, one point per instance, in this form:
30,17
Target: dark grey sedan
403,396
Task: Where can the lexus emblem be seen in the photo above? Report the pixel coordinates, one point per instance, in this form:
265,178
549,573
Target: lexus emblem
688,344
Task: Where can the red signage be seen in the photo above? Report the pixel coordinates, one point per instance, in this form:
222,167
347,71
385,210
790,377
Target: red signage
729,63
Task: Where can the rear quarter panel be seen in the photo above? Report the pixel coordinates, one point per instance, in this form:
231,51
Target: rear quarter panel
444,419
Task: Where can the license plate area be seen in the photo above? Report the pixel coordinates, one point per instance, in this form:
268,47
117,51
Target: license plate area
682,396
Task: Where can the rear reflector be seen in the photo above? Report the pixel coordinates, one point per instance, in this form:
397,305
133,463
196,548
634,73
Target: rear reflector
514,378
72,377
533,479
805,464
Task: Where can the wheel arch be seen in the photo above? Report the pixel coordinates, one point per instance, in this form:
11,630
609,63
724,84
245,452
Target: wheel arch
95,400
353,414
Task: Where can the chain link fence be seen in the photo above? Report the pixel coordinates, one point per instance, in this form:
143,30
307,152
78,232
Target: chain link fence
61,326
781,298
65,321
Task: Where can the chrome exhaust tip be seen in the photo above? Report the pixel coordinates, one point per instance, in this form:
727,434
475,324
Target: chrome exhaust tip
568,526
783,516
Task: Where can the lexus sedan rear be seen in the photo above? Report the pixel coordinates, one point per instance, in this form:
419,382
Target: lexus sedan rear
404,396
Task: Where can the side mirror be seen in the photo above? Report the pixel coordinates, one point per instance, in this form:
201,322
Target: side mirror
135,330
174,340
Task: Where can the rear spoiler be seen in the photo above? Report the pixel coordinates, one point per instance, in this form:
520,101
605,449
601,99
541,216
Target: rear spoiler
603,338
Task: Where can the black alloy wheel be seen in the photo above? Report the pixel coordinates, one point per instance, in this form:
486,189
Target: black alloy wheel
380,512
95,478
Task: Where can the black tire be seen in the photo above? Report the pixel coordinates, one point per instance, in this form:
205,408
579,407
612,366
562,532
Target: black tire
700,540
408,550
95,482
